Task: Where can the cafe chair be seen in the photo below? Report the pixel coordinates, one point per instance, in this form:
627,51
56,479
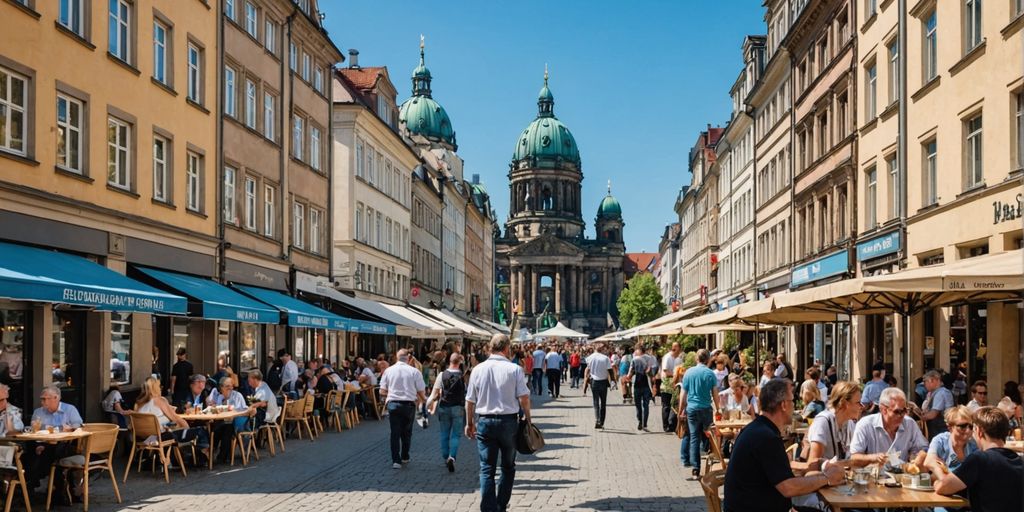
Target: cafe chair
271,429
294,413
143,427
715,460
370,393
13,474
711,482
97,454
351,410
245,442
312,415
335,409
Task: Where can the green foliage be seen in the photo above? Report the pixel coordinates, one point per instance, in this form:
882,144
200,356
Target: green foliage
748,357
731,342
690,360
687,342
640,302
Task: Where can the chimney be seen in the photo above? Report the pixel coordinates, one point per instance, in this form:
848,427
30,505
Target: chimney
353,58
476,179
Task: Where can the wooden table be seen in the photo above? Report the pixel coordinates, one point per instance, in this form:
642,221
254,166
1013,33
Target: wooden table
733,424
209,420
879,497
54,438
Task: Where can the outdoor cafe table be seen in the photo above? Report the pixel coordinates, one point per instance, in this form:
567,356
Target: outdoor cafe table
49,438
209,420
733,424
880,497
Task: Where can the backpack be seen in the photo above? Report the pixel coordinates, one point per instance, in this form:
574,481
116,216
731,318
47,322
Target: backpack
273,378
453,389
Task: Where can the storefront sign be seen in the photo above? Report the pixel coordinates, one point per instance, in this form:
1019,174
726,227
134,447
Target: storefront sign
879,246
833,264
112,300
1004,212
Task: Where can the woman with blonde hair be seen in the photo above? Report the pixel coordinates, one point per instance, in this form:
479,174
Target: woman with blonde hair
811,397
150,401
950,448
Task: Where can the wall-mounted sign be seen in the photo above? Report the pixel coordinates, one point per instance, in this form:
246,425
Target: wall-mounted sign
831,265
1004,212
878,246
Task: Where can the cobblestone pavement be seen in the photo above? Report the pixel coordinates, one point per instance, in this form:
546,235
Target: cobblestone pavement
580,469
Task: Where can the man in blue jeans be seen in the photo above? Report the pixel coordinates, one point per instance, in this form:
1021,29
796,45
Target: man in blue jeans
402,388
449,399
495,398
538,370
698,394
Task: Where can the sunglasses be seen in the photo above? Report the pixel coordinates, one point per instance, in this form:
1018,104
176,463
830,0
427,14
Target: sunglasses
898,412
965,426
981,393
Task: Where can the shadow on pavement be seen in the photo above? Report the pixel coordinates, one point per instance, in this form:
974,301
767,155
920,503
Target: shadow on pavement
643,504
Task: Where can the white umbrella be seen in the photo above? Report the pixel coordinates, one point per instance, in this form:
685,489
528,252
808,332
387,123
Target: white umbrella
561,331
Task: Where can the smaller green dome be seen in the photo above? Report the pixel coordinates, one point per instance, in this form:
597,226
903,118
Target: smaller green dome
546,138
610,207
545,94
421,115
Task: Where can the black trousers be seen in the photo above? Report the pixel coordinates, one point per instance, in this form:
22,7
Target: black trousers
401,416
600,388
666,410
554,382
37,467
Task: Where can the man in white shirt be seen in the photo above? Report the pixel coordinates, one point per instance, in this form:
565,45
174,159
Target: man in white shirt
669,361
538,370
265,399
402,389
289,372
497,392
599,374
553,370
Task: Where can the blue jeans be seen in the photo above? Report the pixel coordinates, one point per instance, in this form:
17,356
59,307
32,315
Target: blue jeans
698,420
496,436
401,416
642,401
538,381
684,451
452,419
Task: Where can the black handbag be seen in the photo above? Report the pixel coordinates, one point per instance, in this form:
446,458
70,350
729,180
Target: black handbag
529,440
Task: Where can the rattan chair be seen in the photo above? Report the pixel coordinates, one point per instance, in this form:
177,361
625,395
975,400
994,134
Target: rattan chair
295,412
245,442
14,476
716,451
144,427
711,482
101,445
269,429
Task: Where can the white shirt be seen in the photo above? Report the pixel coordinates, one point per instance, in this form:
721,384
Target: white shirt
554,360
870,437
669,363
538,359
599,364
402,382
496,385
289,373
781,371
264,394
370,375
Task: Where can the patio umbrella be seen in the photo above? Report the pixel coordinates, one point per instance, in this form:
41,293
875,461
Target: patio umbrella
561,331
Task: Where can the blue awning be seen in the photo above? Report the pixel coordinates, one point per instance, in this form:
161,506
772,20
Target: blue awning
29,273
369,326
215,301
300,314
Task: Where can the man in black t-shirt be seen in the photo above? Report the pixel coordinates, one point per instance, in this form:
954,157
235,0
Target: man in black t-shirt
180,373
991,476
759,476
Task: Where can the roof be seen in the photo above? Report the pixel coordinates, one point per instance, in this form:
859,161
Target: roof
635,262
363,79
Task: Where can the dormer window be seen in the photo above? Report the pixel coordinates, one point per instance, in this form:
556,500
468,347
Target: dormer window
383,109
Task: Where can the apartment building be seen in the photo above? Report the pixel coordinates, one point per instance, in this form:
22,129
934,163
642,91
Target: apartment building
697,208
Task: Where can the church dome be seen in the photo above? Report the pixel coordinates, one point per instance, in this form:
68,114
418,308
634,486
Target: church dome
610,207
546,138
421,114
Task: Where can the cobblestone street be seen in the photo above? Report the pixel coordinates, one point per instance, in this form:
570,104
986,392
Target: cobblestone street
617,469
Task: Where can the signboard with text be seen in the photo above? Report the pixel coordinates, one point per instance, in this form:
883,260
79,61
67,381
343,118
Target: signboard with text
831,265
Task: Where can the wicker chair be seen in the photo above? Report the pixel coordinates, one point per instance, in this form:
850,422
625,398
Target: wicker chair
245,442
14,476
716,451
143,427
711,482
100,445
269,429
295,412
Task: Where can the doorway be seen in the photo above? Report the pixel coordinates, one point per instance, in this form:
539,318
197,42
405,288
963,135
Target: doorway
68,365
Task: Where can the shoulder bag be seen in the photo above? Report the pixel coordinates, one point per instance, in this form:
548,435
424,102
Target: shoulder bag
529,440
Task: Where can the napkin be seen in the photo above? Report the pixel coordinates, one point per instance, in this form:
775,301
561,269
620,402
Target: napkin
894,458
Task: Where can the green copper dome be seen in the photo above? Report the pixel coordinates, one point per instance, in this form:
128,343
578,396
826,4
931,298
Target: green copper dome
610,207
546,138
420,114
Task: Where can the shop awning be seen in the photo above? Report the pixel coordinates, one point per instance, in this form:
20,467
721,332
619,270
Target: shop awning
299,313
449,318
435,327
398,324
32,274
214,301
648,329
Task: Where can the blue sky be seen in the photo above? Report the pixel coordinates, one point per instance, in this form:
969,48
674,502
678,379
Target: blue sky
635,82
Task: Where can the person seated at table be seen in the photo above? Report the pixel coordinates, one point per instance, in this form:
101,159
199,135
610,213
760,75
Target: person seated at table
811,397
10,415
150,401
889,430
733,398
952,447
197,393
759,476
992,475
225,394
265,404
38,457
113,405
324,383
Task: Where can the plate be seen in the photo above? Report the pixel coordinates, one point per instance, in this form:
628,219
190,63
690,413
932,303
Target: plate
928,489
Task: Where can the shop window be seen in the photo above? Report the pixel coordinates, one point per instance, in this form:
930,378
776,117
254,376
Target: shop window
251,350
67,370
120,348
14,333
971,252
299,349
223,344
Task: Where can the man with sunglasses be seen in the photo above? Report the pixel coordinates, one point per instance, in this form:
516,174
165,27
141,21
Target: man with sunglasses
979,396
889,430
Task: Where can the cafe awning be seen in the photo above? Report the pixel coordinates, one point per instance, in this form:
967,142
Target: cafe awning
391,324
434,328
33,274
449,318
299,313
212,300
651,328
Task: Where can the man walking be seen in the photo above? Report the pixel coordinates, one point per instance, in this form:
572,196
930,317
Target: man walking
669,362
495,397
698,394
449,398
640,375
553,370
402,389
538,370
598,373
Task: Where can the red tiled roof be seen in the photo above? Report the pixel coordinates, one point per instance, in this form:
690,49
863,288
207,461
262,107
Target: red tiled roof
363,79
639,262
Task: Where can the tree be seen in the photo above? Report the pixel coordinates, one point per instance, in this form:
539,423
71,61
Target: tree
641,301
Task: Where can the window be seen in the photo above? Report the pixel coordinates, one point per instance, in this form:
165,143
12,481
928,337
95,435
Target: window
118,34
389,240
314,147
193,182
250,104
118,153
194,86
894,71
268,115
1018,7
160,161
931,47
871,8
314,231
297,137
359,158
69,133
842,113
318,80
229,195
250,19
71,16
160,52
293,57
1019,124
120,347
13,106
972,24
298,234
269,214
229,91
973,152
930,173
305,66
359,222
871,193
894,180
871,101
250,203
229,9
270,36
